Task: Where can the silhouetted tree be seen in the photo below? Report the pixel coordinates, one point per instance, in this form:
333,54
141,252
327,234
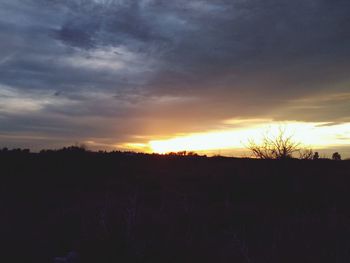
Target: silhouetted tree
336,156
183,153
306,154
316,156
281,146
73,149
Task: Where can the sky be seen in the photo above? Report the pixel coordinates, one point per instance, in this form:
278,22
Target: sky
139,74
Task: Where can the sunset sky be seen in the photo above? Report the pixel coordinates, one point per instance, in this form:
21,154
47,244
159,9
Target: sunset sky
161,75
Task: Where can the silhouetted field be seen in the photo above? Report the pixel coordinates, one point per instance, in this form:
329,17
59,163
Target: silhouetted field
123,207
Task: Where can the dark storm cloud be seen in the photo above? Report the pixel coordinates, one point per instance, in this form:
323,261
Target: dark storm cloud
139,63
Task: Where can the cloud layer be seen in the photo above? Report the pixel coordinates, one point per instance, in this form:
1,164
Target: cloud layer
113,71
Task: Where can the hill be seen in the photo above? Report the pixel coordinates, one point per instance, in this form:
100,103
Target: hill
78,206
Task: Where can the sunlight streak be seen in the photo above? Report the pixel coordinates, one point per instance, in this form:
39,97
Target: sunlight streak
310,134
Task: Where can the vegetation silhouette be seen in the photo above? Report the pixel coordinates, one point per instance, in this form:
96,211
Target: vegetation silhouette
336,156
76,205
279,146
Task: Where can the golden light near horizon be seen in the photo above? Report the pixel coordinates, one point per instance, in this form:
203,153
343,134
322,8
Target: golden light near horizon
310,134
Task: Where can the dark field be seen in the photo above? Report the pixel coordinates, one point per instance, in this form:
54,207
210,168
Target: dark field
119,207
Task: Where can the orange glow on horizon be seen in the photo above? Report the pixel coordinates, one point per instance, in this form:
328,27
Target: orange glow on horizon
311,134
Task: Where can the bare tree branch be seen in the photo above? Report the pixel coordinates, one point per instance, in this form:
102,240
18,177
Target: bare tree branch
281,146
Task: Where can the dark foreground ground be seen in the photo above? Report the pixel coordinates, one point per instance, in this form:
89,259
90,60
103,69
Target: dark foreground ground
89,207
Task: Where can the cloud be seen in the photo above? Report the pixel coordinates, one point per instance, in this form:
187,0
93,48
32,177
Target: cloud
156,66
